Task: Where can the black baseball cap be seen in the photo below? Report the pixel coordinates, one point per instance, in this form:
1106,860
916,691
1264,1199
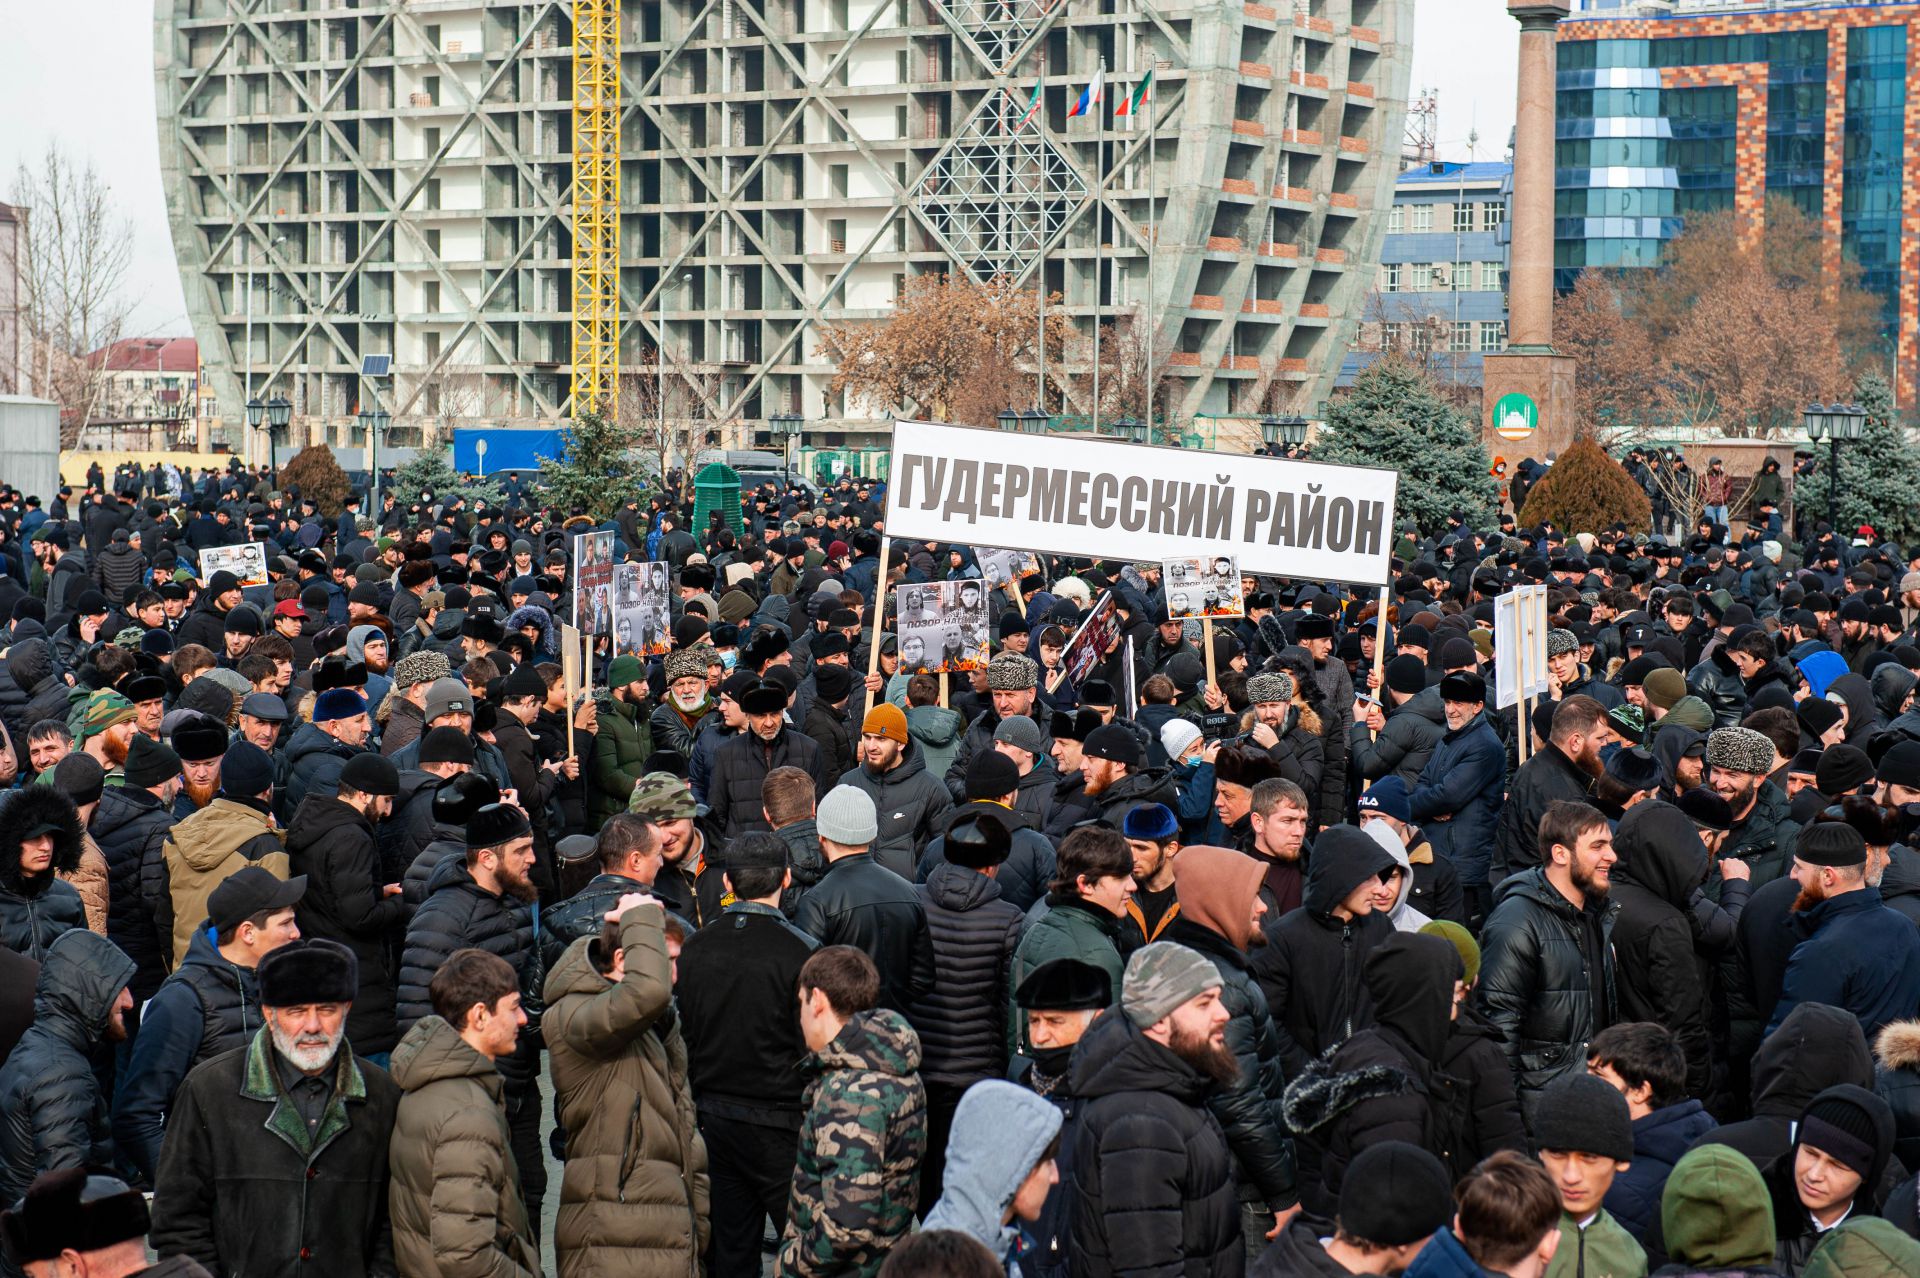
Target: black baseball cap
249,891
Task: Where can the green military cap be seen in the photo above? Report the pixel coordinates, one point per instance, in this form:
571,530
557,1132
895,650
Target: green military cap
661,796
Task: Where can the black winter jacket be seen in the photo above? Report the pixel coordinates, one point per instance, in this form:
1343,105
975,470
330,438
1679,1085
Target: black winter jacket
35,909
1537,980
741,765
962,1020
1310,968
912,805
1549,775
1477,1057
582,914
1153,1190
827,727
42,693
1250,1109
333,845
52,1115
1660,977
1029,867
1404,745
1382,1083
206,1008
130,827
979,737
861,903
459,913
311,764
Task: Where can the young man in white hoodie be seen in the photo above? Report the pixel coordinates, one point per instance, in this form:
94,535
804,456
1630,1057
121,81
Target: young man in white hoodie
999,1167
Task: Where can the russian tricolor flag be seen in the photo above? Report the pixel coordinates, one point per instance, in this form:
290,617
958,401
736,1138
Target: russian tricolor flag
1090,98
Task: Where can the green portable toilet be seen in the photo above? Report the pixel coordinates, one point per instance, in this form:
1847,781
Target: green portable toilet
716,488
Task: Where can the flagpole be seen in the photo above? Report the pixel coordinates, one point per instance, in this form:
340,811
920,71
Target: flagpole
1040,268
1097,108
1153,230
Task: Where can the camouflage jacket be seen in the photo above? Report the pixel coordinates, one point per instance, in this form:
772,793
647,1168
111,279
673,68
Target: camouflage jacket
857,1180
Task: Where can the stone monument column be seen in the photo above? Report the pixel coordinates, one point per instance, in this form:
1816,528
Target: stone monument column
1529,368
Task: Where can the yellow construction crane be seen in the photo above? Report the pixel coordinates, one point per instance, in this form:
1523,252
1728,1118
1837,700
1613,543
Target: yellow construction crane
596,207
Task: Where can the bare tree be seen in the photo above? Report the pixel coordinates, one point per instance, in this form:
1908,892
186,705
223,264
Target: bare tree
78,247
689,422
1123,371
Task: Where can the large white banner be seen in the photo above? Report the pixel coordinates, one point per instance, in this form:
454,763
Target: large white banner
1105,499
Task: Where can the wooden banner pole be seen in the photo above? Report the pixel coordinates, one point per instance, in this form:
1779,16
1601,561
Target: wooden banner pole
880,589
1206,640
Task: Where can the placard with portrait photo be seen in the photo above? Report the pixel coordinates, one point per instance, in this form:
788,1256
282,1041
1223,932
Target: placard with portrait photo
943,627
1202,587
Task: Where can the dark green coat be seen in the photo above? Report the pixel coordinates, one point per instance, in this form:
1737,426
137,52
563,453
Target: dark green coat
620,750
244,1188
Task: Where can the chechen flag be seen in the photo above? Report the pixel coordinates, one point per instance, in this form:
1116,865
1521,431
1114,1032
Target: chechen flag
1131,106
1091,97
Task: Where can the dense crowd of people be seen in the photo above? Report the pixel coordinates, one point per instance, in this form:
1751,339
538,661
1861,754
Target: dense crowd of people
339,936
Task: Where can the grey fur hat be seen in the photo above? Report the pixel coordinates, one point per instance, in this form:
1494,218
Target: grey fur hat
1739,750
1275,685
1011,672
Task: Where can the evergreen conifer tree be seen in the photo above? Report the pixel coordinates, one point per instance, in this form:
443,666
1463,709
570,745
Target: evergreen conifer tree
598,469
1878,473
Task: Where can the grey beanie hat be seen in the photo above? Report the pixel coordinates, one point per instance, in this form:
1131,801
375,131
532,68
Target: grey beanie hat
1276,685
1739,750
1011,672
1162,976
1019,730
1561,641
847,817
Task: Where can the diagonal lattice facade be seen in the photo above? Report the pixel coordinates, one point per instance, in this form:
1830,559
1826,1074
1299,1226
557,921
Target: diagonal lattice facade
399,175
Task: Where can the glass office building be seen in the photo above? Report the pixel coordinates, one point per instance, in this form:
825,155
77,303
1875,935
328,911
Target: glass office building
1667,114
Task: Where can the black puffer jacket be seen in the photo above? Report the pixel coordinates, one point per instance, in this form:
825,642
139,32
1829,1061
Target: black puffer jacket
131,826
1153,1189
333,845
1250,1110
1382,1084
34,909
1477,1057
1023,877
52,1115
1896,1079
1660,977
1815,1047
1404,745
1536,986
742,764
459,913
962,1021
861,903
1154,785
1310,968
310,765
582,914
911,803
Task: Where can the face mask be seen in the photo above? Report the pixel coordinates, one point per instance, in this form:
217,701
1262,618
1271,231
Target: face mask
1051,1060
728,657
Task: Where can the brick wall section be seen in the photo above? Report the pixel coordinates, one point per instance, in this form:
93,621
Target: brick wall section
1749,83
1835,22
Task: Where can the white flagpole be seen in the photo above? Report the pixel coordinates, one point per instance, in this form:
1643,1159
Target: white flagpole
1098,109
1153,231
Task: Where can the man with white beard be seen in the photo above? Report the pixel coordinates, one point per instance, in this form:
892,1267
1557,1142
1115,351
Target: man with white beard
275,1158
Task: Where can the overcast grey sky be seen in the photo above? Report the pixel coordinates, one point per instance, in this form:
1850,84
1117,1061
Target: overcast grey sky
96,102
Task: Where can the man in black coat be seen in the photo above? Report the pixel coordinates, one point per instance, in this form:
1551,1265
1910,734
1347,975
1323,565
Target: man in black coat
861,903
1563,768
521,697
962,1021
1310,967
317,751
275,1160
331,842
741,764
52,1115
40,839
744,1050
1395,1197
1661,864
1153,1176
1383,1084
210,1005
1546,952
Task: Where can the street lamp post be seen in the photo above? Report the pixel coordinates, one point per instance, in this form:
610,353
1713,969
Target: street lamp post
1834,423
279,414
1283,432
256,411
1010,419
1132,430
788,427
374,421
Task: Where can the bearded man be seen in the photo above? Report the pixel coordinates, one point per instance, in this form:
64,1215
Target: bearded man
1738,761
1562,771
201,743
275,1159
1854,952
1144,1146
106,729
677,721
